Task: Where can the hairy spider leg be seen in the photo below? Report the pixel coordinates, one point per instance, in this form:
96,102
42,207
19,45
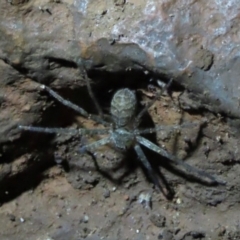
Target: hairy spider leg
152,130
145,109
91,94
159,184
179,165
74,106
73,131
162,127
94,145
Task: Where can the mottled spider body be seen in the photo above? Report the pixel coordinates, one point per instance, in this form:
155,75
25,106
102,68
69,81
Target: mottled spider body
123,133
123,107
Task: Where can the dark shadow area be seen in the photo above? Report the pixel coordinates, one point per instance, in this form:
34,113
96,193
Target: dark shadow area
127,166
61,62
25,180
105,89
78,171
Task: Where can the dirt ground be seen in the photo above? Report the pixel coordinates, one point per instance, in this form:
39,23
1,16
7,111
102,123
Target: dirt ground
108,195
48,190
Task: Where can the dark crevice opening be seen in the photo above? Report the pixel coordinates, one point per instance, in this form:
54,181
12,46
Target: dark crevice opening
62,62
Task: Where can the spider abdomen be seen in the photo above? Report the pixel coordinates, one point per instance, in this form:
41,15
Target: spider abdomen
123,107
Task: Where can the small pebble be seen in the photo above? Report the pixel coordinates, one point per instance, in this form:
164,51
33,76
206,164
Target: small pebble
166,235
158,220
57,158
106,193
58,215
179,201
145,200
85,218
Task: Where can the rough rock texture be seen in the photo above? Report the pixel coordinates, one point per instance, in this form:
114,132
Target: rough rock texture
121,43
196,43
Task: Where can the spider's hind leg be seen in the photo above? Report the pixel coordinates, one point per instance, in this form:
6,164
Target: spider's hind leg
180,166
157,182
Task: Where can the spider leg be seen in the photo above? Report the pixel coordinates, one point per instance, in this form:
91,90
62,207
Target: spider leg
166,128
153,130
99,109
180,165
94,145
74,106
159,184
144,110
72,131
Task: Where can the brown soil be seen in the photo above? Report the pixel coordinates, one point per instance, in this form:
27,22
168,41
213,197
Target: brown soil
99,196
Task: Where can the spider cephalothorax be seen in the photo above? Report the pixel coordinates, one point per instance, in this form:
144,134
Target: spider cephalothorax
123,133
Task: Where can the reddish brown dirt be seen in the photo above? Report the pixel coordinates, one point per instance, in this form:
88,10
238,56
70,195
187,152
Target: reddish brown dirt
89,203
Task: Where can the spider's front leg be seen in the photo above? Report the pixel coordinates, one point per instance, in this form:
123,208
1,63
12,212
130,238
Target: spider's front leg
74,106
179,165
72,131
85,76
167,128
94,145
